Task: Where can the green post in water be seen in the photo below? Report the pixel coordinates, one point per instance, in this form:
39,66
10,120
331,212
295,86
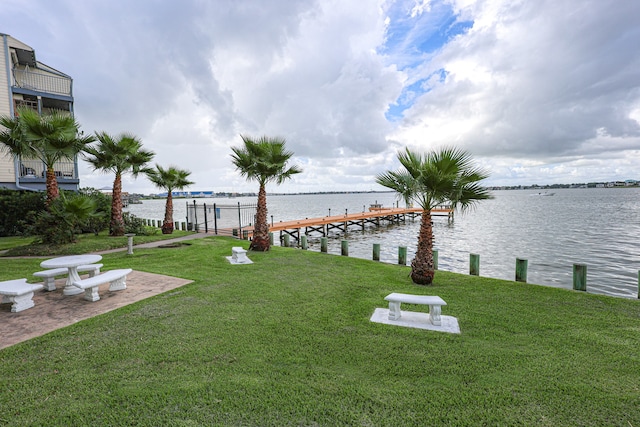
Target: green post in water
521,270
580,277
435,259
376,252
271,239
287,240
303,242
323,244
402,255
474,264
345,247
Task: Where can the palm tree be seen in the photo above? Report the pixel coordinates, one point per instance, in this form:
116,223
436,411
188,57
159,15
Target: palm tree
445,176
169,179
120,155
263,160
49,138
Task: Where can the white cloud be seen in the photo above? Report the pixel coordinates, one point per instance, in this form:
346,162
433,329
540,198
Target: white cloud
538,91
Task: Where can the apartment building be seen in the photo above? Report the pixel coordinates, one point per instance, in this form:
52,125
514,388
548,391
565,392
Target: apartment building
27,82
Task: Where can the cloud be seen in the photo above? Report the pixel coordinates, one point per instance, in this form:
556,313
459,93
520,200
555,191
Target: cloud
534,80
537,91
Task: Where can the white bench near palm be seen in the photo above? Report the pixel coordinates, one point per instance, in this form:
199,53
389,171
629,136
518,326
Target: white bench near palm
434,320
239,256
117,280
19,293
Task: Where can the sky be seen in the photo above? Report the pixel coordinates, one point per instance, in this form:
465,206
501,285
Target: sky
538,92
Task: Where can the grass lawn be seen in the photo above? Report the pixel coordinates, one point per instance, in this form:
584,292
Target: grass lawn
20,246
287,341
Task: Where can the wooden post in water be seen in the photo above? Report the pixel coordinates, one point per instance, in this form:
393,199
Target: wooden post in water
376,253
521,270
287,240
271,239
303,242
402,255
344,248
474,264
435,259
323,244
580,277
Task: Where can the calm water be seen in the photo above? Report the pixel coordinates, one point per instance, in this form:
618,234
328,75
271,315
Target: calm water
596,227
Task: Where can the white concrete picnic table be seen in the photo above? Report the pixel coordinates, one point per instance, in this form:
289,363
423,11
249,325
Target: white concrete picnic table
72,262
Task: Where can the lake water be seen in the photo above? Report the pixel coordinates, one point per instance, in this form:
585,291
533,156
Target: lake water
596,227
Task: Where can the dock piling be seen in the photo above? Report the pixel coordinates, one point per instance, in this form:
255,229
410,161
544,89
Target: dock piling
474,264
376,253
521,270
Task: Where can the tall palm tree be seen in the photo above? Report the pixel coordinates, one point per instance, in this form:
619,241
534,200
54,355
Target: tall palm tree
120,155
169,179
49,138
445,176
263,160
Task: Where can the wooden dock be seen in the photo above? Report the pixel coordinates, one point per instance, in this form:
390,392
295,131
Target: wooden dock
324,225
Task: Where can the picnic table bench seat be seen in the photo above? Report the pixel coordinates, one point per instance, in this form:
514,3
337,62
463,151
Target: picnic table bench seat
18,292
50,275
116,278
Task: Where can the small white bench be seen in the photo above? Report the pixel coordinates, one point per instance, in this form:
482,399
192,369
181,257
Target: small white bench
434,302
49,276
239,255
18,292
116,278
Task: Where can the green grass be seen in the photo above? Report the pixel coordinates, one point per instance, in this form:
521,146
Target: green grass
287,341
21,246
15,241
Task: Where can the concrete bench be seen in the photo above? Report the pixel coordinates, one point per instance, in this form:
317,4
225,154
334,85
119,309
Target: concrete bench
434,302
116,278
49,276
239,255
18,292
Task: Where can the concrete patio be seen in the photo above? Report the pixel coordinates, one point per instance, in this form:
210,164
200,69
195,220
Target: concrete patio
53,310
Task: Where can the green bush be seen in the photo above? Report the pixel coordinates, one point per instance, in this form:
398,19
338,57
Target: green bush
15,207
100,220
133,224
61,223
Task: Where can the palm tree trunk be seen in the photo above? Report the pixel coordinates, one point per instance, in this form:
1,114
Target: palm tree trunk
116,227
52,186
422,269
167,225
260,240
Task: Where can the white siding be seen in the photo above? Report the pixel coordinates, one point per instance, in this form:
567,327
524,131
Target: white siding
4,82
18,44
7,171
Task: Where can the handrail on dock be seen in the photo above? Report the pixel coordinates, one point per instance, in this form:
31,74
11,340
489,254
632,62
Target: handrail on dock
324,224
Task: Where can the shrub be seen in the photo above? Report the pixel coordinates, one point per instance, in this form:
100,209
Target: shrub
100,220
133,224
60,224
16,207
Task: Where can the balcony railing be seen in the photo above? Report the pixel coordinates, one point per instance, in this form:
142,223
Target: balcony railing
35,169
26,79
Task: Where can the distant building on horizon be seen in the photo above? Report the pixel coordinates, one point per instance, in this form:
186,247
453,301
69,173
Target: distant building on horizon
26,82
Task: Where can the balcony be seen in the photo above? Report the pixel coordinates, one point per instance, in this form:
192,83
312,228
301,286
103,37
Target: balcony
41,82
35,171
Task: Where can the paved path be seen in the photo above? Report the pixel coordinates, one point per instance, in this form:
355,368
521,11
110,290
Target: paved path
159,242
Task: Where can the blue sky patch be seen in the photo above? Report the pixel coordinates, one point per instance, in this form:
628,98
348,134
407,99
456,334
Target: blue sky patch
412,39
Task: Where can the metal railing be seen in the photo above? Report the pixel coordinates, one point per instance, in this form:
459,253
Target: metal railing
26,79
35,169
220,218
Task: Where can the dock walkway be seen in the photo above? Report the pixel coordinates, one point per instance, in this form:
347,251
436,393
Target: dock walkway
324,225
